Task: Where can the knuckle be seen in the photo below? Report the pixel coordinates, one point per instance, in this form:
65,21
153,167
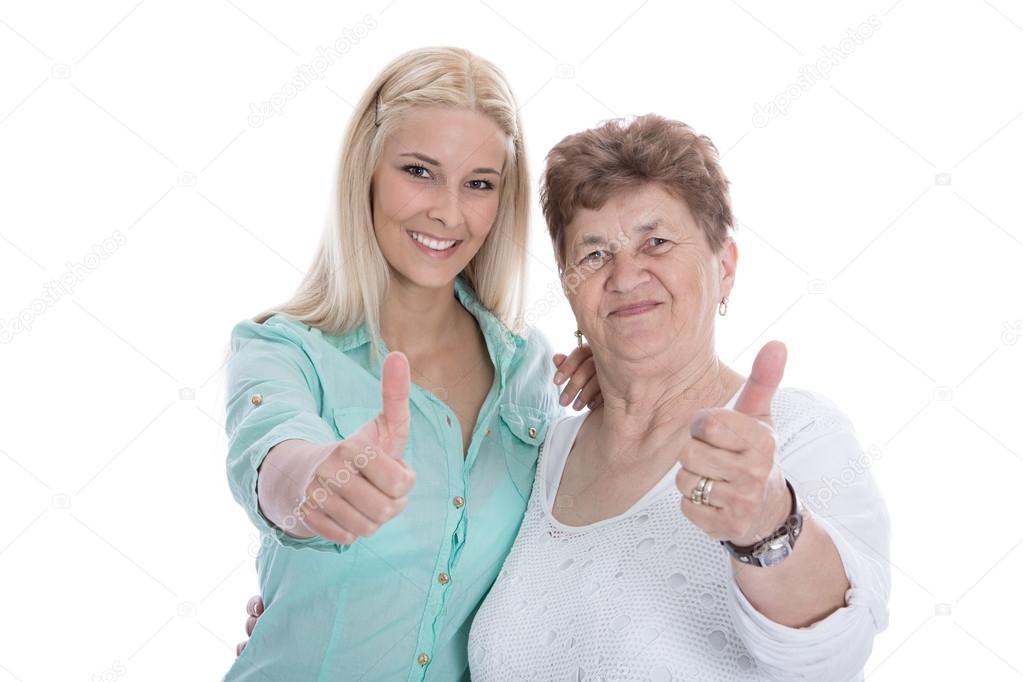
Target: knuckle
388,509
761,470
710,427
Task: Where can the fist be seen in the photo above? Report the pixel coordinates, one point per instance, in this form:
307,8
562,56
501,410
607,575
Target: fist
734,450
364,482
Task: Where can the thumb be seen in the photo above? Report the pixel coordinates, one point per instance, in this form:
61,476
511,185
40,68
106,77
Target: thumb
394,387
768,369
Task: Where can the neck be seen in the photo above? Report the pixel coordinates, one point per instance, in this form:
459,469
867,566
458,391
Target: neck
417,320
645,407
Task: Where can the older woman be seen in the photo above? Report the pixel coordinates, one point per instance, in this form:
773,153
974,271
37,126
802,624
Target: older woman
665,538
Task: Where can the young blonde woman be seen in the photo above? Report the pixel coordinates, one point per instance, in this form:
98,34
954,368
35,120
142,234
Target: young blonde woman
388,493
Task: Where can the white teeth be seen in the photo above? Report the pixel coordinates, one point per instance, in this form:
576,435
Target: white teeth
433,243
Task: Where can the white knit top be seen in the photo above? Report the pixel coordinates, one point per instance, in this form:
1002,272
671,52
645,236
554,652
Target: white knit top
646,595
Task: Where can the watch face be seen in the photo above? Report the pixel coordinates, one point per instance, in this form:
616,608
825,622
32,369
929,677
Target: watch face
774,552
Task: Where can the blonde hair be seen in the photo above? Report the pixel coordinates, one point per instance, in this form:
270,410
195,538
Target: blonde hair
346,284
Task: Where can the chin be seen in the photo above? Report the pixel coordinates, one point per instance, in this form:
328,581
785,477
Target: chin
430,277
642,344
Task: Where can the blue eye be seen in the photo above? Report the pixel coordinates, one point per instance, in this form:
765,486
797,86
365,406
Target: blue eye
414,169
484,185
658,240
595,258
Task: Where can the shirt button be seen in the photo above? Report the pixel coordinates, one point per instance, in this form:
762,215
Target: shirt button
487,433
423,659
443,579
449,420
532,432
256,399
458,502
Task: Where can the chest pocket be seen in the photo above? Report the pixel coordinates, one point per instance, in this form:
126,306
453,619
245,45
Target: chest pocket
523,429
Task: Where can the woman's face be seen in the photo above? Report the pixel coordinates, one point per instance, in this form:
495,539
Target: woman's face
435,193
641,277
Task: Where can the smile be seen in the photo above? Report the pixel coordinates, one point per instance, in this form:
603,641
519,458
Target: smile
433,245
635,309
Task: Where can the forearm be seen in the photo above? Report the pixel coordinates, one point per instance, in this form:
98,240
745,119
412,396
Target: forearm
284,474
807,587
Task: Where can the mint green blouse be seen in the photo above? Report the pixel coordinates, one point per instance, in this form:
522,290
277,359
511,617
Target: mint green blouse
398,605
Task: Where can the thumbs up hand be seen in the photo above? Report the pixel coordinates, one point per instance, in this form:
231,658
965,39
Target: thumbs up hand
363,482
734,450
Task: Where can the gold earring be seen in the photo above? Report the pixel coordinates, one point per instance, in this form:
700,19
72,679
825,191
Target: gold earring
578,338
723,307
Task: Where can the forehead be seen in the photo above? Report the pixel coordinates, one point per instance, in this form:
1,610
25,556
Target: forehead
628,210
454,137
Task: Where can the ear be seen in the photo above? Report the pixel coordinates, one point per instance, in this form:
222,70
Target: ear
728,259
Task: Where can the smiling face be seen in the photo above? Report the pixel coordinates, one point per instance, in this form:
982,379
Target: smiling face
641,277
435,193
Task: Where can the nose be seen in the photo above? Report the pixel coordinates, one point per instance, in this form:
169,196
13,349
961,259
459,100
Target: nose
445,207
627,273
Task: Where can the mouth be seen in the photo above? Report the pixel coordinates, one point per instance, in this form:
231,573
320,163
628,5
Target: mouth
433,246
638,308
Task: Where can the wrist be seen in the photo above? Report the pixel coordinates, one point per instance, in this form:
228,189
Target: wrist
282,480
777,509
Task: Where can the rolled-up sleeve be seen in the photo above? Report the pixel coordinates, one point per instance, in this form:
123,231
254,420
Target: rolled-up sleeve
273,395
831,472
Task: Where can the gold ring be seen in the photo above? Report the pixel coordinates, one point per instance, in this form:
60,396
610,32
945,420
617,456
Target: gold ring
705,497
696,497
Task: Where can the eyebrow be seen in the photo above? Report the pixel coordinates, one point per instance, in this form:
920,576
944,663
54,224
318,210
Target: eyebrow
591,239
434,162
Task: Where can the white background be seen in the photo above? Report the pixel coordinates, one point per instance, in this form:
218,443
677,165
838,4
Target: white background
881,237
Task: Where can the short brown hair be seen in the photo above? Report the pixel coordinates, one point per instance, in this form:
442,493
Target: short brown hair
585,169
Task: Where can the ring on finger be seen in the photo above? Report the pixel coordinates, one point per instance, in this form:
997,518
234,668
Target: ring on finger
696,497
705,495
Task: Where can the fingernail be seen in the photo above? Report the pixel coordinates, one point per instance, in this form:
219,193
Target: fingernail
559,377
563,399
578,404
